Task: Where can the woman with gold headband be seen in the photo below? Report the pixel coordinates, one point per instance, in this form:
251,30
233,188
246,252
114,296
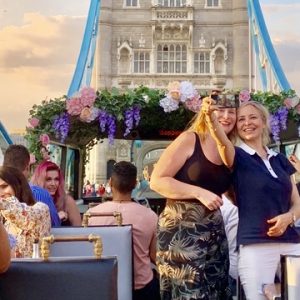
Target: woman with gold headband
193,173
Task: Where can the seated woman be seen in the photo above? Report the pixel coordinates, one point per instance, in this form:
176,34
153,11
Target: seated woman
25,219
4,249
49,176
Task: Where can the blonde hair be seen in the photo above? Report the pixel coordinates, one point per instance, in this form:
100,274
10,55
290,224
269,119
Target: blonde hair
196,124
265,117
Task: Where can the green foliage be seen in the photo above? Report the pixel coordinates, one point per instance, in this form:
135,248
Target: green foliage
153,118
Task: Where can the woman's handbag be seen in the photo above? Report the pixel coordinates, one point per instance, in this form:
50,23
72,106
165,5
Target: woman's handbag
48,278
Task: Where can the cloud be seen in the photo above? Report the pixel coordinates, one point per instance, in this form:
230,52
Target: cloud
288,54
41,41
282,21
37,60
281,8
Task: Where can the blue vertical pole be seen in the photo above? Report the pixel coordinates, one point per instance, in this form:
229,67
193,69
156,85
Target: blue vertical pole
87,51
255,13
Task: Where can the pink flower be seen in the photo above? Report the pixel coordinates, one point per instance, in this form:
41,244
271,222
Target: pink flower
175,95
244,96
88,96
44,139
174,85
174,90
288,103
291,102
74,106
32,159
86,114
34,122
193,104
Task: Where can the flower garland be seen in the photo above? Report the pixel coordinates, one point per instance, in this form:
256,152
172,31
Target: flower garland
183,92
89,114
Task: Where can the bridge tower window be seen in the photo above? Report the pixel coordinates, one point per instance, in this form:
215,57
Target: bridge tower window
202,62
172,3
171,58
131,3
212,3
141,62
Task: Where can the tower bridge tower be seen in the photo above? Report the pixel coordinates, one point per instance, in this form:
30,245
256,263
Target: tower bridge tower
215,44
155,42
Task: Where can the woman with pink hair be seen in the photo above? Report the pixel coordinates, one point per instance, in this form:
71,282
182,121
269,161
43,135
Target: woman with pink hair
49,176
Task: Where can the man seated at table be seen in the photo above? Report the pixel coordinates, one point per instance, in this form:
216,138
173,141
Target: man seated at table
144,223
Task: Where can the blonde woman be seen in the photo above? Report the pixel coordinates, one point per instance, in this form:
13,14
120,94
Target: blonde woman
266,196
192,250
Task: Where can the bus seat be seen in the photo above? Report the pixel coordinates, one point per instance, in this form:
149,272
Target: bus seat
117,241
290,278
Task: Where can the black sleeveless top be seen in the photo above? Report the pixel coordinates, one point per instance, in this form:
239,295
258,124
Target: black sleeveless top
199,171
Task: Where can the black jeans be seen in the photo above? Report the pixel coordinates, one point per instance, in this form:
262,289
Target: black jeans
149,292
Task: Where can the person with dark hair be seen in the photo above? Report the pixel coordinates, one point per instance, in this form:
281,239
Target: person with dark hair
25,219
4,249
17,156
144,222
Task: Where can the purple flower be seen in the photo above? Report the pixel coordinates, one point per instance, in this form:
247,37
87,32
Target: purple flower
112,128
282,114
137,115
275,127
102,119
107,120
61,125
129,118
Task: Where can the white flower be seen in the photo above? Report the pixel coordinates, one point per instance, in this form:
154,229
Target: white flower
294,100
146,98
187,91
168,104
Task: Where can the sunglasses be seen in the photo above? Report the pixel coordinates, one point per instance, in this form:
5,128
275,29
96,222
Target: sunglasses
226,100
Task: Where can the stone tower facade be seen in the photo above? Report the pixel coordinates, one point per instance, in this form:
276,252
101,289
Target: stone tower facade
153,42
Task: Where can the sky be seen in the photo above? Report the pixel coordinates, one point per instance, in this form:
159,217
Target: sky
40,42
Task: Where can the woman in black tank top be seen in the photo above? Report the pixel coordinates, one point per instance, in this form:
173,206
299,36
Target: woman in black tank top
192,250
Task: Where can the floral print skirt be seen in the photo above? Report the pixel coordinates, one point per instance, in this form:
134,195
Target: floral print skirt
192,253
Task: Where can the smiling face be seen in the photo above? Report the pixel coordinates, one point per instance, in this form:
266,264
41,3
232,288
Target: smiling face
227,118
6,190
52,182
250,123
